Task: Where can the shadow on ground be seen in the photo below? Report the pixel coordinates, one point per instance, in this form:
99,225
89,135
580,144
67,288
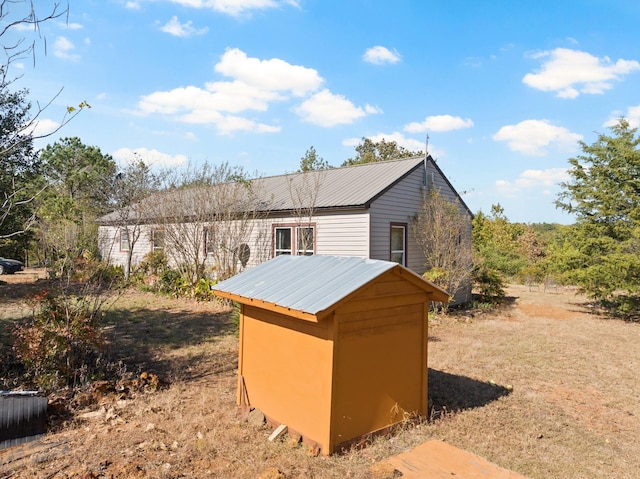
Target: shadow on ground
453,393
144,338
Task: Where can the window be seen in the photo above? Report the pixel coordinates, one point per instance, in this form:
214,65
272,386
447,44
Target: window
282,241
157,240
398,244
209,243
304,244
298,240
124,240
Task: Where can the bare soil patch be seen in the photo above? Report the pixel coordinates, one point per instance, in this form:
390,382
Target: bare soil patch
543,386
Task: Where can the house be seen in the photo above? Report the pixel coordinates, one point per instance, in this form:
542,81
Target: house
362,211
337,356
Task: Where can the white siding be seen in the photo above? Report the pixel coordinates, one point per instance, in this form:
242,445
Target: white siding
337,234
109,244
344,234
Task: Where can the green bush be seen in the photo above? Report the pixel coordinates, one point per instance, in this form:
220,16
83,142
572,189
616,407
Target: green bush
489,284
201,291
171,282
60,342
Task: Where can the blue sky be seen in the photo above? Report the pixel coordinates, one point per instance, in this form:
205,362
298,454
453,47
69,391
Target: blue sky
504,89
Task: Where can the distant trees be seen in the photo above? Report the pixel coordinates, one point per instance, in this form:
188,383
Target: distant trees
604,194
311,161
496,241
369,152
19,166
20,179
79,181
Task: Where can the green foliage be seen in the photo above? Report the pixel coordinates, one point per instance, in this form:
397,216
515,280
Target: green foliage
201,291
80,181
496,242
489,284
171,282
604,194
154,263
61,342
370,152
20,179
311,161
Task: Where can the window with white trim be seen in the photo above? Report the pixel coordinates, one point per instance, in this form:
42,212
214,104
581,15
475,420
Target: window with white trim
209,242
282,241
294,240
398,244
157,239
304,240
124,240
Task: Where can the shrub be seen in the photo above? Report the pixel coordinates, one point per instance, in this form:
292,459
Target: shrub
171,282
60,341
489,284
201,291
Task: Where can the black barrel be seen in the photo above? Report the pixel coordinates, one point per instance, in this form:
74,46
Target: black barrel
23,418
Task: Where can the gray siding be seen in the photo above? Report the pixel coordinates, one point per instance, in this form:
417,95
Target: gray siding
398,205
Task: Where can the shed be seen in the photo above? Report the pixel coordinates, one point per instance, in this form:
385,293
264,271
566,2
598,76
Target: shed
333,347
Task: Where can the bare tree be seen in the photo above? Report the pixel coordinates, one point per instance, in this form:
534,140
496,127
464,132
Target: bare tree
304,189
133,210
210,216
19,118
443,231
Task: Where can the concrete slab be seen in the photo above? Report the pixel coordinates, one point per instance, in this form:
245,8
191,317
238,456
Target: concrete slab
438,460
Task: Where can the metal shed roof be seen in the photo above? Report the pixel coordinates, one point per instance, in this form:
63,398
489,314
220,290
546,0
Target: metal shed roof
318,282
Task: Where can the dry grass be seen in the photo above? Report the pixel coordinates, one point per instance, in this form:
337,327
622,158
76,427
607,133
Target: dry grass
542,387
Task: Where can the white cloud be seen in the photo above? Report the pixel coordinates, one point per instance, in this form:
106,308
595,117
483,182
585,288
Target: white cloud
327,109
150,157
235,7
42,127
273,74
632,116
379,55
251,91
175,28
534,137
571,72
71,25
255,84
229,124
439,123
63,48
544,181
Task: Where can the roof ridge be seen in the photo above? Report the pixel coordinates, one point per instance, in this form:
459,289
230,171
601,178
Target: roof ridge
368,164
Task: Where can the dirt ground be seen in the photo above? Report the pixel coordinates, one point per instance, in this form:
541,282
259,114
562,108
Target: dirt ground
544,387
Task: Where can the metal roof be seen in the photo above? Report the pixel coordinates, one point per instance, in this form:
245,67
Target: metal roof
347,187
310,284
351,186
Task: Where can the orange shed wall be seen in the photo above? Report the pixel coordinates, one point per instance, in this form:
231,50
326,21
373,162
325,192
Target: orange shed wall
286,366
381,359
